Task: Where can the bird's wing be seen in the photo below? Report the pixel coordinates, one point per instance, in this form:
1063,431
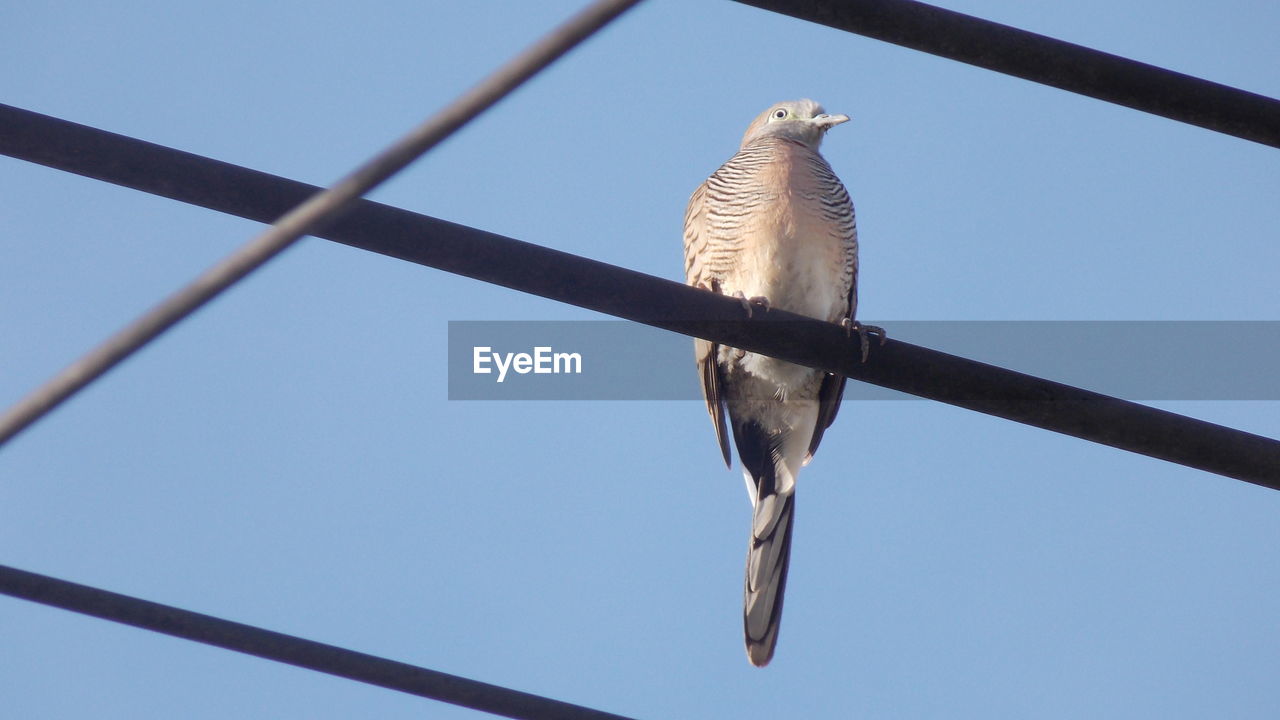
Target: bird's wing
705,352
829,397
832,390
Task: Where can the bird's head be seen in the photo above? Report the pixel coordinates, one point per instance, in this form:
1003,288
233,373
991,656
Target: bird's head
803,121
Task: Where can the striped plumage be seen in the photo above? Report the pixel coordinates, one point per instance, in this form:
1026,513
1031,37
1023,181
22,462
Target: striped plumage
773,223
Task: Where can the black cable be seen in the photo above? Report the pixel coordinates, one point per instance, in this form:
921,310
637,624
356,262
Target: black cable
288,649
308,216
643,298
1045,60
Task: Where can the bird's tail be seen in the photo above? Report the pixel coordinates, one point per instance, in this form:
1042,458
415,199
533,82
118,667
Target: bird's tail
768,555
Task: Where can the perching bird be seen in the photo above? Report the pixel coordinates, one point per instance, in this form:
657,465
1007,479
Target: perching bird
773,227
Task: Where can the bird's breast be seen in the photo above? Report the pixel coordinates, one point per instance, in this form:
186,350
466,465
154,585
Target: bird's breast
792,257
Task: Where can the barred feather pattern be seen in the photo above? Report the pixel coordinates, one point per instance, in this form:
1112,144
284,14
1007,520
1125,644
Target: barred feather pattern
762,180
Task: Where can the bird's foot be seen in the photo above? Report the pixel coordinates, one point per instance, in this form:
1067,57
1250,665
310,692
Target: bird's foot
852,326
749,304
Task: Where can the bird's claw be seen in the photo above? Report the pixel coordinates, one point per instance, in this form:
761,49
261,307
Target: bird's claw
749,303
851,326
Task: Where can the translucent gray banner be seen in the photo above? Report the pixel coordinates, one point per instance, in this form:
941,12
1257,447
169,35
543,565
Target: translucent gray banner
618,360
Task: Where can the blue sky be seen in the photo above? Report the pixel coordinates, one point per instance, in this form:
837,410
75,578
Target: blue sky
287,457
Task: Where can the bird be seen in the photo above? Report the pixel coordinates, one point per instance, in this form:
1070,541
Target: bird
773,227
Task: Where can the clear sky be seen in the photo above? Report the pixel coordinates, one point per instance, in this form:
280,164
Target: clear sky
288,458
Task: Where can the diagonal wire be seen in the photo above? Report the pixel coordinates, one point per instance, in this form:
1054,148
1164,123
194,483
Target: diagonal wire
309,217
288,649
1042,59
643,298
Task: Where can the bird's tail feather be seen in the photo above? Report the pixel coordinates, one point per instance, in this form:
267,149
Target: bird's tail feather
768,557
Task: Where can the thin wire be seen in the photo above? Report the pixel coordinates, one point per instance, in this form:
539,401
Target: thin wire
1047,60
643,298
288,649
308,217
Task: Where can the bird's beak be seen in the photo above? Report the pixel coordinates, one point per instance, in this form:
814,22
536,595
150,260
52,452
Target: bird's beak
826,122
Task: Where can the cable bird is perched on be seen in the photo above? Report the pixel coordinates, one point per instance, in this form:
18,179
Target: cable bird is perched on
773,227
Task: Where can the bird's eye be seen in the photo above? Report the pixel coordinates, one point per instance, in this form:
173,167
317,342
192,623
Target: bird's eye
779,114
